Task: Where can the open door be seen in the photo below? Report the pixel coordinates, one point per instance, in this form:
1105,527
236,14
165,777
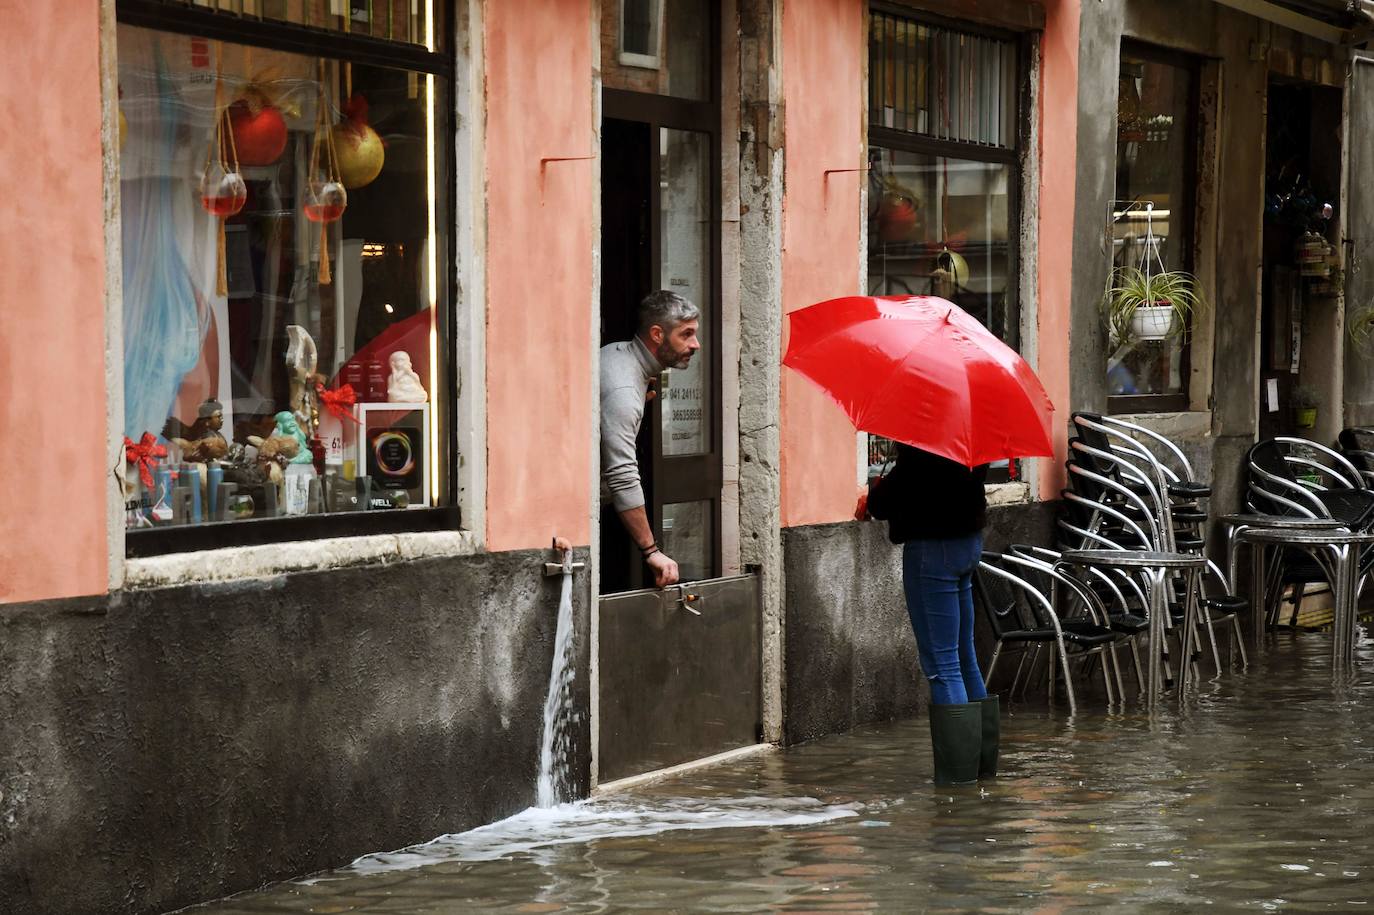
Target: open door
679,670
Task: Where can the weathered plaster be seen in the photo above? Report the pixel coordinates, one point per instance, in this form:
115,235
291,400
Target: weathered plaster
254,562
760,326
54,339
1055,242
824,45
163,747
539,106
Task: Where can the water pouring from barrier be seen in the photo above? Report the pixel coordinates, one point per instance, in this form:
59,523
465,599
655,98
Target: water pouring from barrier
554,786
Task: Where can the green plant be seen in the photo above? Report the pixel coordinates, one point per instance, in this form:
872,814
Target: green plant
1131,288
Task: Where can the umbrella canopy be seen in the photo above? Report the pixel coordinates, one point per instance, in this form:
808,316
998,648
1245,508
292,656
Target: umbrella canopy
920,370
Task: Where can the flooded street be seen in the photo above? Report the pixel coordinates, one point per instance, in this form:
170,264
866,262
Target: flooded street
1255,795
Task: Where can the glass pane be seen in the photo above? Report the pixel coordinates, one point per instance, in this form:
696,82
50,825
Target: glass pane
685,224
1151,219
936,81
687,537
941,226
657,46
278,264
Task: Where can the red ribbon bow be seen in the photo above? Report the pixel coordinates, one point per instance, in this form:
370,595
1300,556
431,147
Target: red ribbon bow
338,402
145,454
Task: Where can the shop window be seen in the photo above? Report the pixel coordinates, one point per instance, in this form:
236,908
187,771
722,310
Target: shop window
286,274
944,172
1152,219
657,46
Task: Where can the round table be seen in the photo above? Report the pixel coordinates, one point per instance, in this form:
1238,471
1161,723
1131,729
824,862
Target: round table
1238,524
1157,566
1337,551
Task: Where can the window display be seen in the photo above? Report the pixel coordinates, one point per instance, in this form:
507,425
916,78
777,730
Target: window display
284,276
1151,227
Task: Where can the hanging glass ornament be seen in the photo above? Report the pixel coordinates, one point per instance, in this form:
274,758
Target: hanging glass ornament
222,189
325,198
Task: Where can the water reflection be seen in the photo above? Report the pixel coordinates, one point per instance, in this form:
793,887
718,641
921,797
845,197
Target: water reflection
1253,795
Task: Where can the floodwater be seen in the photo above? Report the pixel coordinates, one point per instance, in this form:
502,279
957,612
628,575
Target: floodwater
1255,794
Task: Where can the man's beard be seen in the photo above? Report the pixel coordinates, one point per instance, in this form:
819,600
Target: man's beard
670,358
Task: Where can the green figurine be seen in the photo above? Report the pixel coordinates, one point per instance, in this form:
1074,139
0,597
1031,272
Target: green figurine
287,427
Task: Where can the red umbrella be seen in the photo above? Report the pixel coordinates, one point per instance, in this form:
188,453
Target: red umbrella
920,370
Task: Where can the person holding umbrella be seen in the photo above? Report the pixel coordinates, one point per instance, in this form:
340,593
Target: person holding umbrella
935,510
922,372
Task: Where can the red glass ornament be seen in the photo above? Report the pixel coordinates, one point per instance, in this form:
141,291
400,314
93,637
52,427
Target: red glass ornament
259,135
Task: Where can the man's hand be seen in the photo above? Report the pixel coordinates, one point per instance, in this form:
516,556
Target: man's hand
665,570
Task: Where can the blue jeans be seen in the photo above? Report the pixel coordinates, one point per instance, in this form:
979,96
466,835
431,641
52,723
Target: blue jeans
938,579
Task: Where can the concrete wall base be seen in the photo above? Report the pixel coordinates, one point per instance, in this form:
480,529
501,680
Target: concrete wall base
850,653
167,746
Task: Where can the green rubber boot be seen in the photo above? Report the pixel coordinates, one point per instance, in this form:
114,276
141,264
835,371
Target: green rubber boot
956,736
992,736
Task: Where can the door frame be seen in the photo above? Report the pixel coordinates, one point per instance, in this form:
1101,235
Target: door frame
705,471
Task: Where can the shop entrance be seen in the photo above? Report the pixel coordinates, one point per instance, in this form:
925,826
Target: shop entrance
679,670
1300,331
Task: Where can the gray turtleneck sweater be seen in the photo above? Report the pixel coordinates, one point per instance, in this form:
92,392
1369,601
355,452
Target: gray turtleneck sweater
626,370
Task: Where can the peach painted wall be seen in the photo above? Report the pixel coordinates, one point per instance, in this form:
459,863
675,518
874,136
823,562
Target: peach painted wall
823,47
1058,117
52,304
540,247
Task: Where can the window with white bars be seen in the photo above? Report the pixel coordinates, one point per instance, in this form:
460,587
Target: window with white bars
942,83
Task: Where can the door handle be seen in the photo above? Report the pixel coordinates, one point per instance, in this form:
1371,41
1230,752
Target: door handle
686,599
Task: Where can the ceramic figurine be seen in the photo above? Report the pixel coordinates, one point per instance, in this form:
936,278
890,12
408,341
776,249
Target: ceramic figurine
202,441
302,358
404,385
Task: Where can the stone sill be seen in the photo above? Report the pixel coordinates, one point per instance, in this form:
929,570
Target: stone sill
1007,494
248,562
1193,424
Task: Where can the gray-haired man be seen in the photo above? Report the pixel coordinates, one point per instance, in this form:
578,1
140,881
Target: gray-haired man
666,339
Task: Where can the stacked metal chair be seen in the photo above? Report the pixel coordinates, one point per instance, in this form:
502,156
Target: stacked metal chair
1019,596
1295,476
1357,446
1131,488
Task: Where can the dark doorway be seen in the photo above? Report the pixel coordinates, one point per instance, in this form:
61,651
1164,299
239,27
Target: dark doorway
1302,176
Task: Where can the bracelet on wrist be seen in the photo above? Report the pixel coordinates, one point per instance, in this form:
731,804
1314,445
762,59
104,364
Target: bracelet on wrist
646,550
651,551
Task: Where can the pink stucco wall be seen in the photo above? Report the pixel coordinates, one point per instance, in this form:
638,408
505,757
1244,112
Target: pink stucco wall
823,47
1058,116
540,248
52,304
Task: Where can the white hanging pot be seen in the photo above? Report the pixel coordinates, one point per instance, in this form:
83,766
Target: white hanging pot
1153,322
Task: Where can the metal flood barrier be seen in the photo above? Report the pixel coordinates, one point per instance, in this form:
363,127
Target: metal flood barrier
679,674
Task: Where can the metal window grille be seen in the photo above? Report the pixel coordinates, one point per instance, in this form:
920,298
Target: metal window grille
942,83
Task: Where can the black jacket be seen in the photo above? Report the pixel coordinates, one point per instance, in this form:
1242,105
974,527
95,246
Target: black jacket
927,497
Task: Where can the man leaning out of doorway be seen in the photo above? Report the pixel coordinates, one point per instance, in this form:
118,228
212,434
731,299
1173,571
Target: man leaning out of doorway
666,339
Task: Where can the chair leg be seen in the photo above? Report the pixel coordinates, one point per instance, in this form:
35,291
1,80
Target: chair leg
992,664
1107,676
1211,636
1240,642
1068,680
1134,642
1116,668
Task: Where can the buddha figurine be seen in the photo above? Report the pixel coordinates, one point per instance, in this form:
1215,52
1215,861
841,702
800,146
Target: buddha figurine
404,385
288,427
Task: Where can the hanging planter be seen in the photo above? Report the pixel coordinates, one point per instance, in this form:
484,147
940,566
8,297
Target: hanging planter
1142,304
325,198
222,189
1154,322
